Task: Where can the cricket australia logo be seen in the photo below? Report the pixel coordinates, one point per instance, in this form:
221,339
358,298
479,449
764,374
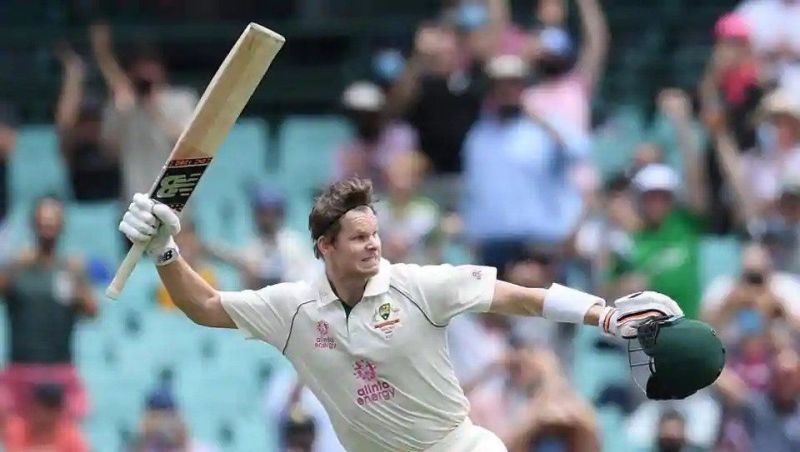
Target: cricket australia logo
387,319
324,341
375,390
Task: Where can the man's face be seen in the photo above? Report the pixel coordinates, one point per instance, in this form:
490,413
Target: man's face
356,249
656,205
508,92
671,436
49,220
269,219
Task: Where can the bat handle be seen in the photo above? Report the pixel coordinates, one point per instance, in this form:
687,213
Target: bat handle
125,269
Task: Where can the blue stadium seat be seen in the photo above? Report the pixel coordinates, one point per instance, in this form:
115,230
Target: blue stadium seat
306,150
36,166
90,231
220,206
307,147
719,255
616,140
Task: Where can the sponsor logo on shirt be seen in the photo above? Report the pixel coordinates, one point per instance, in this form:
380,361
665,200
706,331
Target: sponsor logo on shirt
323,340
374,389
387,318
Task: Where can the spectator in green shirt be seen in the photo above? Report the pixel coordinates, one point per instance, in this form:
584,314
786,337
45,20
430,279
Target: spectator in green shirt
664,255
665,246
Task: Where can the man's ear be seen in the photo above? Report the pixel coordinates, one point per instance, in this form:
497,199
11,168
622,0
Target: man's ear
325,245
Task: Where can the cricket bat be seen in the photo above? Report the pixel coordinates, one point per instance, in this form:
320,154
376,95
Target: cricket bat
219,107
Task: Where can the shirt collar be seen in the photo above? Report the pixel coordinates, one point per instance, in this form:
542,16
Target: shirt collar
376,285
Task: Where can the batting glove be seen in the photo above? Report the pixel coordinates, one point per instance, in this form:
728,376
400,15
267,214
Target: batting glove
631,310
154,223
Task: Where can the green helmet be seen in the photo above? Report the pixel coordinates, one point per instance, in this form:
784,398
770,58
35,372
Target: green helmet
677,357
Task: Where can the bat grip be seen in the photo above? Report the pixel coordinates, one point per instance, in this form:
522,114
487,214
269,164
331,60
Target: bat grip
125,269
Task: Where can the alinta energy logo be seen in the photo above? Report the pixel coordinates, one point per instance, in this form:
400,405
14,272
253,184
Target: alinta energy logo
323,340
374,390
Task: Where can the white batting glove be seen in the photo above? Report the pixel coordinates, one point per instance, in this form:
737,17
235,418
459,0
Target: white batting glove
149,220
631,310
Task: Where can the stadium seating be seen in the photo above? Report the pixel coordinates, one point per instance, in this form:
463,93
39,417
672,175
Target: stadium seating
306,148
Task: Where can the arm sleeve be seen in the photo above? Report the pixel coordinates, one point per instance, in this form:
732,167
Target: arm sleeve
263,314
444,291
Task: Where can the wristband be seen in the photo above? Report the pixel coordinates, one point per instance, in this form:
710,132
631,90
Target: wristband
563,304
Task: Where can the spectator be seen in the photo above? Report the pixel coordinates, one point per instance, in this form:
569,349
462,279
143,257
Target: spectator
162,428
671,436
411,221
782,230
568,77
8,141
501,392
93,166
298,415
485,29
278,253
756,176
772,295
773,25
441,95
665,247
769,419
45,293
729,90
517,192
553,416
45,427
196,254
778,153
606,228
377,140
146,115
666,241
299,431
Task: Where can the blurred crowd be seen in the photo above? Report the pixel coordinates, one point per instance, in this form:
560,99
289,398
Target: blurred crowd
480,141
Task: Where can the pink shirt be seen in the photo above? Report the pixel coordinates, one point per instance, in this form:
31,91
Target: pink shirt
567,97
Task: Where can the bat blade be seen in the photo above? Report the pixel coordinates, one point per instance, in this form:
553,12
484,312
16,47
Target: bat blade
218,109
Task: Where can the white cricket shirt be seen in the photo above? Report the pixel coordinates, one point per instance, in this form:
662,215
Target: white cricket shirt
383,374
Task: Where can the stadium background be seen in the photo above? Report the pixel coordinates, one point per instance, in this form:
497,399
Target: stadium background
138,356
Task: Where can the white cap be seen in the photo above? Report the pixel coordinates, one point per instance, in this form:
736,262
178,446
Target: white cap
363,96
778,102
506,66
656,176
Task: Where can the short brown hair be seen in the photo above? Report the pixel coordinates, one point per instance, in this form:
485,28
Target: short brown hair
339,198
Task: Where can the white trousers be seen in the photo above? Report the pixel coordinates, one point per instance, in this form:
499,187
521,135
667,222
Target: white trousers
469,437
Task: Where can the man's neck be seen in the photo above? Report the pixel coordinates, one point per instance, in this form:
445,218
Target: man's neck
349,290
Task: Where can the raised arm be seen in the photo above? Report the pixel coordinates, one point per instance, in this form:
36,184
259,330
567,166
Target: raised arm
676,106
403,93
592,58
188,290
71,96
118,84
728,153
